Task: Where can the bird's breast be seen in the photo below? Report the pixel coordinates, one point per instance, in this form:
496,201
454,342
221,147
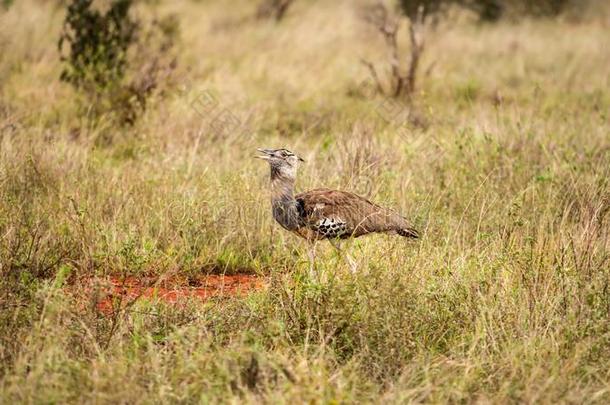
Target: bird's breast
286,214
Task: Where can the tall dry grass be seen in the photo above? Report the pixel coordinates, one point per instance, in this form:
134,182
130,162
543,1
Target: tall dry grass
506,297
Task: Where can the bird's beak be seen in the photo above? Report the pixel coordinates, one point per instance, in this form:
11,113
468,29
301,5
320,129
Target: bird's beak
266,154
301,159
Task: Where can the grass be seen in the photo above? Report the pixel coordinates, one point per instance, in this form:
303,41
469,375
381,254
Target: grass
506,298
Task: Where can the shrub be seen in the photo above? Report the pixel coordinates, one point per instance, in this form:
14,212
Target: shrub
275,9
98,44
96,47
6,4
387,22
411,7
403,69
491,10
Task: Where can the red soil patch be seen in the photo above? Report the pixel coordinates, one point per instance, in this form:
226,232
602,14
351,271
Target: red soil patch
123,291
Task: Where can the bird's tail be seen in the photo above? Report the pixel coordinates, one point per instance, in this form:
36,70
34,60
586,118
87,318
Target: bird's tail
395,222
408,232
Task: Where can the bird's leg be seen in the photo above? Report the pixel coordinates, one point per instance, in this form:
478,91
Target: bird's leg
353,265
312,260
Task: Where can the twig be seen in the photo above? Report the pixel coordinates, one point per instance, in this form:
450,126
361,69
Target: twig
373,71
417,47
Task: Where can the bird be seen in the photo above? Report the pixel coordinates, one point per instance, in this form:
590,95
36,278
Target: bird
322,213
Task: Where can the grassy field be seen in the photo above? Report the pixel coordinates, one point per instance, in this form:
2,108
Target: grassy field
505,298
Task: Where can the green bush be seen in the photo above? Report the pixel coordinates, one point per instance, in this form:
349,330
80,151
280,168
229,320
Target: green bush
115,60
98,44
6,4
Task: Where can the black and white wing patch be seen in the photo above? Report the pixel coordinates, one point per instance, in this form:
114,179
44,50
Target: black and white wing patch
330,227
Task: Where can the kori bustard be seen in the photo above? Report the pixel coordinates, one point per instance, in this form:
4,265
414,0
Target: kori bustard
323,213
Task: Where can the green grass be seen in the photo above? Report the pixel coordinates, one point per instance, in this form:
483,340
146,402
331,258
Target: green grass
506,298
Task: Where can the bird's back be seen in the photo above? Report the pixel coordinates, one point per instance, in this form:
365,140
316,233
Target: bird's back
329,213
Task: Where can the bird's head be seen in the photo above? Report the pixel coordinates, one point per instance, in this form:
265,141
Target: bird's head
283,162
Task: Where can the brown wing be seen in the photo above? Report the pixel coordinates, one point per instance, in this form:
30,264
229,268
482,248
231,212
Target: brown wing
334,213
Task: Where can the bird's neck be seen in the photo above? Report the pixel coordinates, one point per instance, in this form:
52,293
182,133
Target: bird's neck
284,205
282,189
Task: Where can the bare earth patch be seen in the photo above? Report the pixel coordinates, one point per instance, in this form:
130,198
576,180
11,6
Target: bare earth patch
121,291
